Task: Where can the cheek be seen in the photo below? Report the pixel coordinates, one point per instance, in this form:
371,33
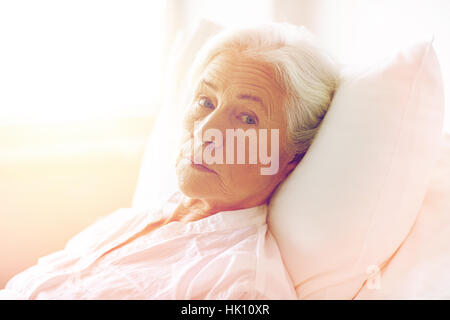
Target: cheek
183,146
182,172
187,127
192,114
187,123
242,178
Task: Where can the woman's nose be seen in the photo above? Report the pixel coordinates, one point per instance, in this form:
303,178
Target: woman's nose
212,129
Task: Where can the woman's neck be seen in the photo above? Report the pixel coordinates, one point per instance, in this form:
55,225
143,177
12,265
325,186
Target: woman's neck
190,209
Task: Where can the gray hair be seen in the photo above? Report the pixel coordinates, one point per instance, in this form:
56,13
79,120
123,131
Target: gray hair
306,73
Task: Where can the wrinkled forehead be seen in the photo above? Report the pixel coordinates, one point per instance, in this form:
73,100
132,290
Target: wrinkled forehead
231,68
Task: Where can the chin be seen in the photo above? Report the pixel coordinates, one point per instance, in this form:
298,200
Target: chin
195,185
194,190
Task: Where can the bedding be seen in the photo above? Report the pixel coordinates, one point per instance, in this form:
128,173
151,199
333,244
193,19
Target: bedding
354,198
420,269
229,255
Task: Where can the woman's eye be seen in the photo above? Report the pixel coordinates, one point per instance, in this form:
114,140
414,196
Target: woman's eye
205,102
247,119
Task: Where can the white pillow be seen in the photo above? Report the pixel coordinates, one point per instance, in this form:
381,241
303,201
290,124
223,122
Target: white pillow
420,268
354,197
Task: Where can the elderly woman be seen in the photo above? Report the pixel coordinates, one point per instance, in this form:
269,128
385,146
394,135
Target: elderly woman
210,240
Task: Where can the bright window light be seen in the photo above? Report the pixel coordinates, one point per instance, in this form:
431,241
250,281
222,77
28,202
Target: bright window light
359,32
78,59
230,13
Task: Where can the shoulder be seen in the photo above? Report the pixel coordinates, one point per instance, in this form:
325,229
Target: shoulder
107,228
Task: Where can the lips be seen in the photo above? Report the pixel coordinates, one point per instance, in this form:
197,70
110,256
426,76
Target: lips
198,166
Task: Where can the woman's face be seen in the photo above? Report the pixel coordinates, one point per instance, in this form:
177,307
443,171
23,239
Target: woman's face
234,92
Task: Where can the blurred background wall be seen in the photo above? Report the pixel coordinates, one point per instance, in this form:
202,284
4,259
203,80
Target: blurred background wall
80,87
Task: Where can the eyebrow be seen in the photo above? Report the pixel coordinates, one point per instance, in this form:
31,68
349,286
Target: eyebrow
241,96
253,98
208,84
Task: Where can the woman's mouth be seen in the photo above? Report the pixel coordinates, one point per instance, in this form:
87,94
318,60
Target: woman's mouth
198,166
